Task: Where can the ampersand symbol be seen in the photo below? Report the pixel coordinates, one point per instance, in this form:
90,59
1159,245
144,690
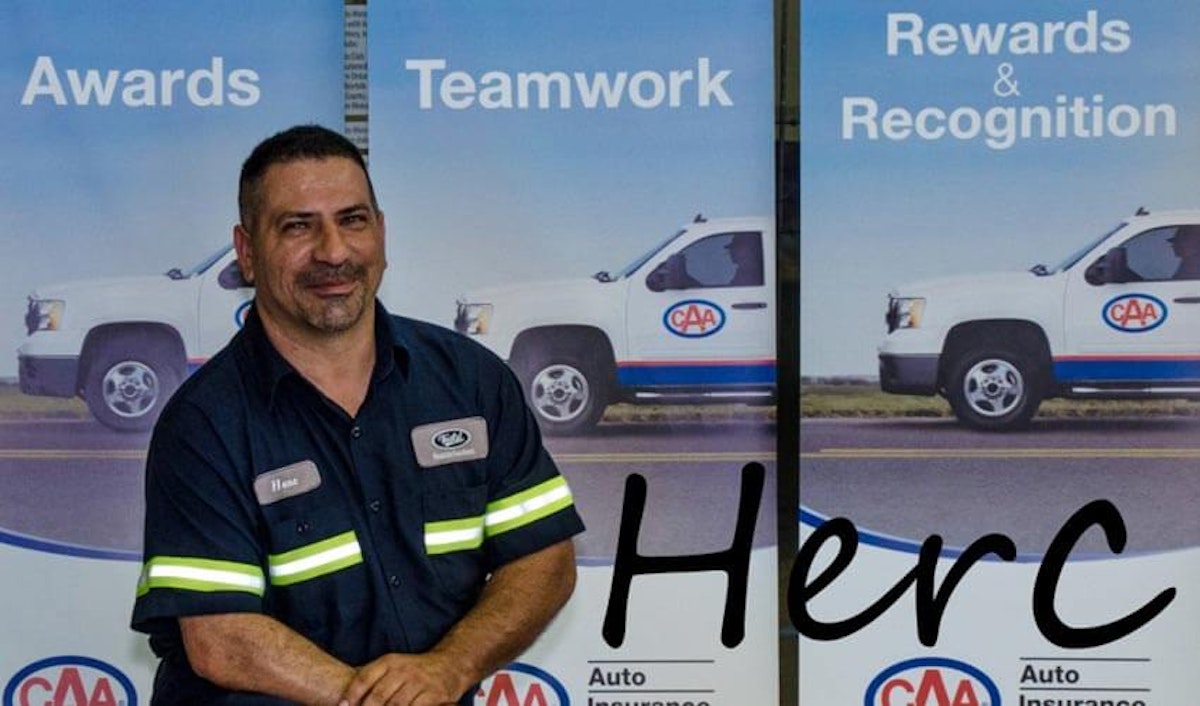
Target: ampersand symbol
1005,86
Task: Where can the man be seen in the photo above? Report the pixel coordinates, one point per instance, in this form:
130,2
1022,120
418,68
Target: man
1185,243
343,507
745,252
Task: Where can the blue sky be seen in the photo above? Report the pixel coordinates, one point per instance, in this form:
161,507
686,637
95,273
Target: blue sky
879,213
87,191
478,197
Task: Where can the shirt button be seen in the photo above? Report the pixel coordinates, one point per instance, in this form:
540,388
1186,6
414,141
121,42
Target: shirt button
374,505
394,580
355,432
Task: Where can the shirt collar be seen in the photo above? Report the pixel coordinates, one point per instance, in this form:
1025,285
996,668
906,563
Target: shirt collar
270,367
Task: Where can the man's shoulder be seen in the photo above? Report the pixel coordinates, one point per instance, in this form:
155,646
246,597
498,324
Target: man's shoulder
210,390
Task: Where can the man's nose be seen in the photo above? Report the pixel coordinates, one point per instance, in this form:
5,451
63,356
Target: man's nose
331,245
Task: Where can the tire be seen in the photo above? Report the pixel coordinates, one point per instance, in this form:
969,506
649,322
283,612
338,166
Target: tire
565,391
128,383
994,388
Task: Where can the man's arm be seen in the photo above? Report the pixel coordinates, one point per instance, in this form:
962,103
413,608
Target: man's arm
254,652
517,603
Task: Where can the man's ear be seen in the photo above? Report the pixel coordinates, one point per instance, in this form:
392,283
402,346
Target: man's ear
383,235
245,253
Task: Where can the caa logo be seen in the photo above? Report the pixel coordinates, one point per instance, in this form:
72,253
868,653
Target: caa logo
451,439
521,685
694,318
932,681
1135,313
239,315
70,681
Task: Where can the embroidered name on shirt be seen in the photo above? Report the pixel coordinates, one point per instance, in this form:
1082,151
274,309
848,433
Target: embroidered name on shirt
287,482
449,441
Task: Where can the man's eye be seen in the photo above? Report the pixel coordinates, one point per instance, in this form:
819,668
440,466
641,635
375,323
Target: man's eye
295,226
354,220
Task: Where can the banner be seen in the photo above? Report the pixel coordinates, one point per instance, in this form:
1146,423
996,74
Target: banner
990,206
125,128
586,189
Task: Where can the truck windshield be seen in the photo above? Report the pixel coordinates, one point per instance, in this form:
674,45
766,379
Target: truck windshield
638,262
1076,256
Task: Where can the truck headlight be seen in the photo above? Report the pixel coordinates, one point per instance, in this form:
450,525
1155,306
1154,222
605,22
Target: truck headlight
44,314
473,319
904,312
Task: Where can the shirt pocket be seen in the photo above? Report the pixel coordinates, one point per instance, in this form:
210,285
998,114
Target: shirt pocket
453,538
319,583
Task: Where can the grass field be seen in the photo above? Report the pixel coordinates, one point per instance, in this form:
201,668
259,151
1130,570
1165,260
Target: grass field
17,406
857,399
866,400
14,405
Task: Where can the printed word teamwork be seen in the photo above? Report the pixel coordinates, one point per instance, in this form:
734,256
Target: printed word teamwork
544,90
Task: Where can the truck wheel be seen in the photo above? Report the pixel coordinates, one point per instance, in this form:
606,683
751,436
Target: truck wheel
565,393
128,384
994,389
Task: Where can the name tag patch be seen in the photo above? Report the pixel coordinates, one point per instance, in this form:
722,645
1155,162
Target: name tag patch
450,441
287,482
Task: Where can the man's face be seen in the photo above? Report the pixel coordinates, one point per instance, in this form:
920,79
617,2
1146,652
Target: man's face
315,252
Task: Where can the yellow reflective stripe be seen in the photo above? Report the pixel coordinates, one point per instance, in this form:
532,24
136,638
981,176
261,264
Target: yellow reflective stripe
317,559
453,535
501,516
197,574
527,506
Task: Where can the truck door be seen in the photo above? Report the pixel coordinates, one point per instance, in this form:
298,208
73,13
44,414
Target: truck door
1143,330
703,316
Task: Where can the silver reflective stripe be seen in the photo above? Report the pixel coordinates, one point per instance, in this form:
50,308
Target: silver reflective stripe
317,559
196,574
527,506
453,535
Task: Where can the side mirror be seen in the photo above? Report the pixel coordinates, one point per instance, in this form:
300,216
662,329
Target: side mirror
231,277
1111,268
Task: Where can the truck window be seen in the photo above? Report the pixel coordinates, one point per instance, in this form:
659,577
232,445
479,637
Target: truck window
725,260
1161,254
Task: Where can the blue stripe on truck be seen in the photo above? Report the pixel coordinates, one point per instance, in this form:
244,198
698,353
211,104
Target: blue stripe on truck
695,373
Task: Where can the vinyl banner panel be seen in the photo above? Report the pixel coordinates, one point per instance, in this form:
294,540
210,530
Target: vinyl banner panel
586,189
125,125
998,344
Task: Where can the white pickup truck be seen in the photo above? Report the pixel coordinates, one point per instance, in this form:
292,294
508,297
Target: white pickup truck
690,321
1119,318
125,344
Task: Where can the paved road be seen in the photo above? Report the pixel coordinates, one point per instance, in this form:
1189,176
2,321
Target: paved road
912,478
76,482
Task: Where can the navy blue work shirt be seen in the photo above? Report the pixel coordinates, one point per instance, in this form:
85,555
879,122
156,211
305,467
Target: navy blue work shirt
367,535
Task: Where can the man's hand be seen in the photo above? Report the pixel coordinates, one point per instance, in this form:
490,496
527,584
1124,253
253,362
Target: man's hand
406,680
518,602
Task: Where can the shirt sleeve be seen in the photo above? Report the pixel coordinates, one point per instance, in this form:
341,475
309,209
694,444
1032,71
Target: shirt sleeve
530,505
200,549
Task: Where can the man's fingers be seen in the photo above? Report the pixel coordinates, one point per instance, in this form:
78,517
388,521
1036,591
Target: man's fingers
364,680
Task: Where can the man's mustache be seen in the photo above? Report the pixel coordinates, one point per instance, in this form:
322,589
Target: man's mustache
321,275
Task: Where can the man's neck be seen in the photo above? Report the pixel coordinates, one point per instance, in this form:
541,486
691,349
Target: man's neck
339,365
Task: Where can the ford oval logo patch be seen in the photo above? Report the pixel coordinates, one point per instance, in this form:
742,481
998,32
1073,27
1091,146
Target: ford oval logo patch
451,439
694,318
520,684
70,680
1135,313
932,681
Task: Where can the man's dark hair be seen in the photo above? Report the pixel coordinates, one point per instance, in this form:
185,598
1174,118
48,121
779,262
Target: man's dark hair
293,144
